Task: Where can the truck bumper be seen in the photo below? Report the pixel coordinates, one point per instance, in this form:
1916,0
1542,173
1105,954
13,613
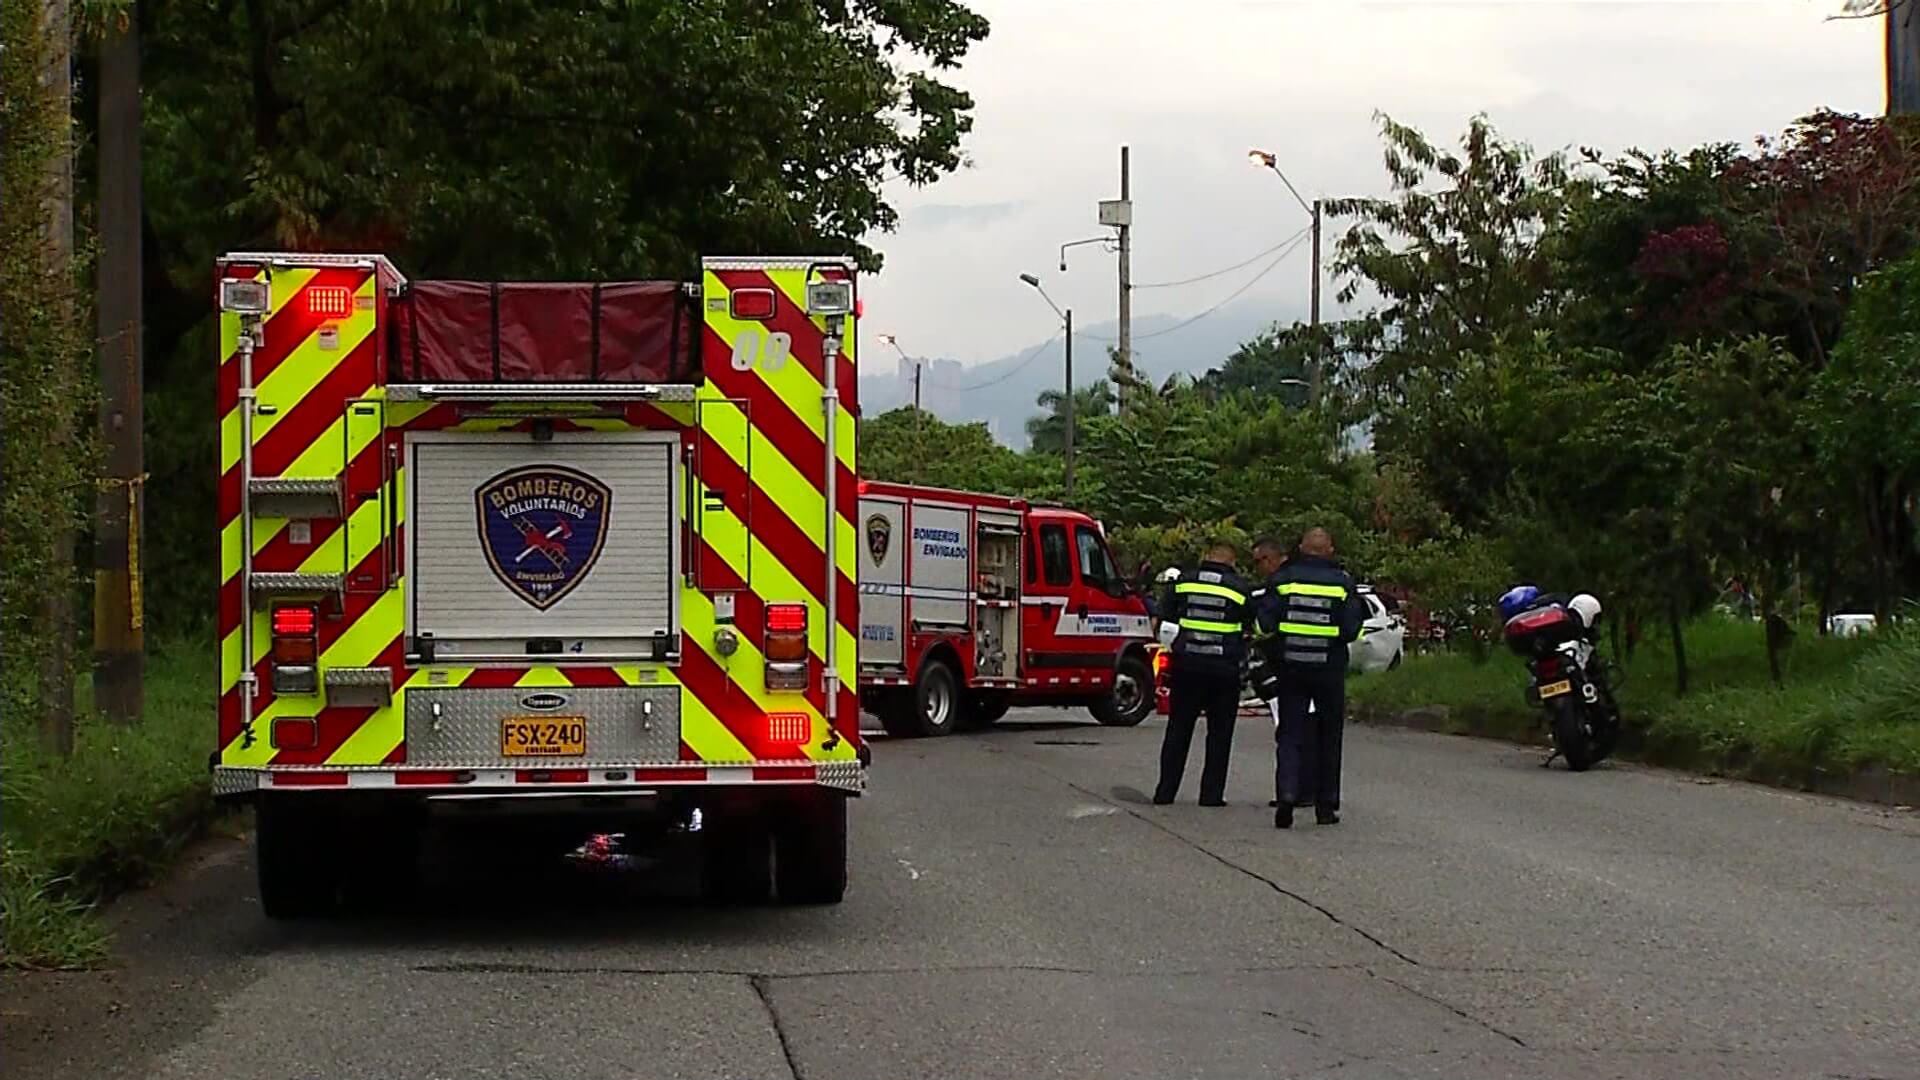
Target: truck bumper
848,776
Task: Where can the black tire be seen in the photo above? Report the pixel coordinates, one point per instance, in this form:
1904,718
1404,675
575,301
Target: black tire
1131,699
1570,735
894,707
810,853
297,861
738,862
934,708
986,709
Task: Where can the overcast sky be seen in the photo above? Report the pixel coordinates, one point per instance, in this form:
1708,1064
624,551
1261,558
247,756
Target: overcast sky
1190,85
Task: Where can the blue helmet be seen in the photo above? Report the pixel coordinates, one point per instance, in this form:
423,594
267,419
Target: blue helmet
1517,599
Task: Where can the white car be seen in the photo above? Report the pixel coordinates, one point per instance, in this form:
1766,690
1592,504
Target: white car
1383,643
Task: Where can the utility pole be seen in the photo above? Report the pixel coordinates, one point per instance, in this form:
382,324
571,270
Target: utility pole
1068,405
1313,309
1903,58
118,620
56,661
1126,279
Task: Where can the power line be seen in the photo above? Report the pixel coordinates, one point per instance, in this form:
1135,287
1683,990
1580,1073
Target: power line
1291,247
1010,373
1250,260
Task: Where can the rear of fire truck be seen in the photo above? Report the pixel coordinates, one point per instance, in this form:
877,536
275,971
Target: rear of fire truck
574,557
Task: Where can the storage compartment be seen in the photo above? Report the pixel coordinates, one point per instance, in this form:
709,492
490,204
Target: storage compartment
1532,633
543,332
561,551
997,568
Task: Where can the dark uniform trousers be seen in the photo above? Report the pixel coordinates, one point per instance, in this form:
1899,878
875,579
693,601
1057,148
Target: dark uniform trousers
1191,694
1307,762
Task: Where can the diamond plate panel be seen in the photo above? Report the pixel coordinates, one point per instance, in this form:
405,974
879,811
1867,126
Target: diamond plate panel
621,728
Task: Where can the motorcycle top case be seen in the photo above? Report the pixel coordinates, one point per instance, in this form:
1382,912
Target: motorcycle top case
1533,632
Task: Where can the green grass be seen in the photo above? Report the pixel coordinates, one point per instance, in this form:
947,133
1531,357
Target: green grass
1843,703
111,817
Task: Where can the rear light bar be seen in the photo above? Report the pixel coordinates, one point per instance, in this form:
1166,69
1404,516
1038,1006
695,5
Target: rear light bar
786,647
296,648
751,304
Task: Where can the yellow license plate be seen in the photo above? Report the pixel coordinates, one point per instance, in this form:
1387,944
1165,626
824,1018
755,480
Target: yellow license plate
1555,689
543,736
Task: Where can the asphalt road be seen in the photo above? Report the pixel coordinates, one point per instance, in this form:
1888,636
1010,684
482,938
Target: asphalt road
1013,916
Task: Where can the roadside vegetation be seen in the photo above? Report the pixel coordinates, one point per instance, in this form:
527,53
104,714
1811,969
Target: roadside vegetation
1844,704
79,828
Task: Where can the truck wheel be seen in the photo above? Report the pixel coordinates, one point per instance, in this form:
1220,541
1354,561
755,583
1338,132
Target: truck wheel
935,702
297,861
810,853
985,710
738,862
1131,698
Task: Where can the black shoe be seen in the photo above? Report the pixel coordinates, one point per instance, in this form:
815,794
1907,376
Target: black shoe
1162,800
1213,802
1272,803
1283,818
1326,817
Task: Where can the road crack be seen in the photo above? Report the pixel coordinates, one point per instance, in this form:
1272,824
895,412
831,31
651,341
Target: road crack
1450,1007
1325,912
760,983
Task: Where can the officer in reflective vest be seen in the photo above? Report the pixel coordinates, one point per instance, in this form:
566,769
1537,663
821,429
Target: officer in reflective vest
1209,606
1313,613
1263,662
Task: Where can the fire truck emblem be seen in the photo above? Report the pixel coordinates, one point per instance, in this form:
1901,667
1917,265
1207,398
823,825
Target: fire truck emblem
542,528
879,531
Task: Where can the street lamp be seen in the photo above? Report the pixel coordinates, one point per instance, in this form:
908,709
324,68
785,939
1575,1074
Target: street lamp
894,342
1260,159
1066,316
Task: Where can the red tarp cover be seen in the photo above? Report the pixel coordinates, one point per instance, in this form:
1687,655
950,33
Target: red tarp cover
476,331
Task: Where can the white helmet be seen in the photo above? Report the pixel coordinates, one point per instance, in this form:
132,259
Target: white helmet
1171,573
1587,606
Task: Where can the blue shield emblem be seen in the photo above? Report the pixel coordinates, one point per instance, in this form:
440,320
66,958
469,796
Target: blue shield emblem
542,527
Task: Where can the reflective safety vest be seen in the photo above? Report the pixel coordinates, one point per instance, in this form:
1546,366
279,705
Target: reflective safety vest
1308,613
1209,605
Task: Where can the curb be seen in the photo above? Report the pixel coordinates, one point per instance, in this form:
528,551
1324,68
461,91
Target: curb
1871,783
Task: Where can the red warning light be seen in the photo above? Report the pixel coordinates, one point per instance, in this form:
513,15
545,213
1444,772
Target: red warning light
329,301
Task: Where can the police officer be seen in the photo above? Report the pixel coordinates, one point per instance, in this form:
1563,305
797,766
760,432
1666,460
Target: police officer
1209,605
1314,612
1263,669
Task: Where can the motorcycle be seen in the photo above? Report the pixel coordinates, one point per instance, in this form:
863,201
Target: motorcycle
1569,683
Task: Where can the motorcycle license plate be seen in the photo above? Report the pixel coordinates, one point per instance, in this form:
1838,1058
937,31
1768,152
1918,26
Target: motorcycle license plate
543,736
1555,689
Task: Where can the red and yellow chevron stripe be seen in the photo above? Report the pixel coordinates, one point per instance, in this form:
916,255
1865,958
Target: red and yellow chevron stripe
755,436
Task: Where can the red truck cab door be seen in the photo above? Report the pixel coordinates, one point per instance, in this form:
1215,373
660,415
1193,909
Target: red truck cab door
1078,614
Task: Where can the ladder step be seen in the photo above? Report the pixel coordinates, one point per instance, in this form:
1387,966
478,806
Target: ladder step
364,685
296,497
267,583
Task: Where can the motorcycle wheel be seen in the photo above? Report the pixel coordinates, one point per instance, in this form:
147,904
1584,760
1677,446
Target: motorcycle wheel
1570,735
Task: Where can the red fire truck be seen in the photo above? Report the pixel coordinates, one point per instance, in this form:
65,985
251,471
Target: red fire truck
971,604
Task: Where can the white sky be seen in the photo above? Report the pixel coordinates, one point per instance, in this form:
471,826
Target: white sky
1190,85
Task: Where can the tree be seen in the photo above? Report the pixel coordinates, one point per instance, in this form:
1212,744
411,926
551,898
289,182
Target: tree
1865,422
1046,433
1275,363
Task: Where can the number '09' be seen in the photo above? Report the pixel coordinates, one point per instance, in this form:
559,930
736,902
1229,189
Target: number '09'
772,355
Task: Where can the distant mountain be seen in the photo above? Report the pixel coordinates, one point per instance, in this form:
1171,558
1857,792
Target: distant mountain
1002,392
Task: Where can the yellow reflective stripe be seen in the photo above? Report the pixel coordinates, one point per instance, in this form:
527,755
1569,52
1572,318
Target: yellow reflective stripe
1308,629
1210,627
1301,588
1206,589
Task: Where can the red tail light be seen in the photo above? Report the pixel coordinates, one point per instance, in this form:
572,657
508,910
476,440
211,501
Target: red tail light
788,730
1549,668
786,618
786,647
296,634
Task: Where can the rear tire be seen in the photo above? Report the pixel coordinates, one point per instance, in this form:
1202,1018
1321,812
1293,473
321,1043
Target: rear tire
933,709
297,861
1132,697
810,853
1570,736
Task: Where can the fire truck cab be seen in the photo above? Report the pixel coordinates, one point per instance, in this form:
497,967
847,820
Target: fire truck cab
972,603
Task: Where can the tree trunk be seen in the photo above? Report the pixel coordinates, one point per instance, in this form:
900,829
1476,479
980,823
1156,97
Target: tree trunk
1776,634
1679,649
57,607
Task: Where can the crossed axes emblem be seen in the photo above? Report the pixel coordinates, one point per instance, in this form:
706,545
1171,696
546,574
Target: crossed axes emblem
552,543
